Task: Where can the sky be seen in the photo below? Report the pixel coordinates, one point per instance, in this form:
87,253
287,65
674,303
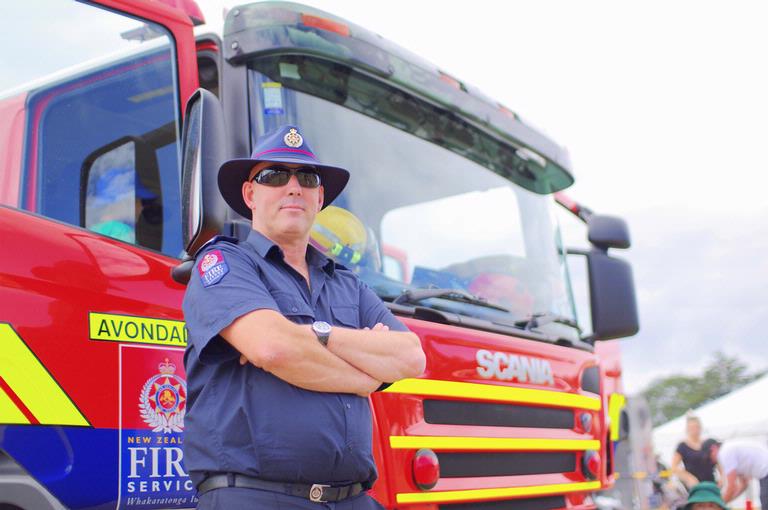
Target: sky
663,107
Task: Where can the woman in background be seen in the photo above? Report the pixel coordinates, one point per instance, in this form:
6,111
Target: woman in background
688,462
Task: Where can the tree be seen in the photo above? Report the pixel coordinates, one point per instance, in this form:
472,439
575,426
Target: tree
672,396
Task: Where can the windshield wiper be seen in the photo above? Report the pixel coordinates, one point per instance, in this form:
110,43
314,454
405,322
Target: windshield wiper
539,319
417,295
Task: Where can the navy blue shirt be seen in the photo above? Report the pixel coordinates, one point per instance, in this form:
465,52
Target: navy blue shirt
245,420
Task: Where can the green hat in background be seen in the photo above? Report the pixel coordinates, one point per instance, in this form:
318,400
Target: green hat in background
705,492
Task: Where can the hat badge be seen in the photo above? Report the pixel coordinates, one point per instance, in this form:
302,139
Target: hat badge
293,139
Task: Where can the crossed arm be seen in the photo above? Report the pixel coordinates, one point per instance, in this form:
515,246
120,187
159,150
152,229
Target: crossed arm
355,361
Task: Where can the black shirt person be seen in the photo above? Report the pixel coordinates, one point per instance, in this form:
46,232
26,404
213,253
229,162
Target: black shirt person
689,463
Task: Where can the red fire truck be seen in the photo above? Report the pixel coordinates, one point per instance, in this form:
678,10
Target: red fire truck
110,150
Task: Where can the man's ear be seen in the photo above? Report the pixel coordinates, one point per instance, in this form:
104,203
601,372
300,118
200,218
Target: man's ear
247,191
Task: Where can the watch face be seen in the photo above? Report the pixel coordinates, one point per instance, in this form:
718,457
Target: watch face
322,327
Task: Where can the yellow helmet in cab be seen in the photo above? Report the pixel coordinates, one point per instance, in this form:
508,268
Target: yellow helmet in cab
340,235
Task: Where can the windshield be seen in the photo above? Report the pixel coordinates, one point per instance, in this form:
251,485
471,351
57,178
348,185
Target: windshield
420,210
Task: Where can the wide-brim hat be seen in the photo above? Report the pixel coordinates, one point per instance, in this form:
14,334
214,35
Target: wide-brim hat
705,492
283,145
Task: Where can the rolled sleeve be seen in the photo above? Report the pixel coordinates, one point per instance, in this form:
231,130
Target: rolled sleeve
373,310
212,304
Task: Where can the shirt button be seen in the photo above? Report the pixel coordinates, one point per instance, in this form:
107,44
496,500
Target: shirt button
349,406
294,309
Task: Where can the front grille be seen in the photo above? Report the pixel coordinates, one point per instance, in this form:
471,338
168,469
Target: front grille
547,503
459,465
449,412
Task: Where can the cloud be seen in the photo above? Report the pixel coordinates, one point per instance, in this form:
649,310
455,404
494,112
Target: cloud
701,288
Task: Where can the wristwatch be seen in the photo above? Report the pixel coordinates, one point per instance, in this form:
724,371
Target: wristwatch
323,331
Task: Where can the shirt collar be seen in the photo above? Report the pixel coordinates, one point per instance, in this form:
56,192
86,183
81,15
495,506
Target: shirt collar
262,244
265,247
317,259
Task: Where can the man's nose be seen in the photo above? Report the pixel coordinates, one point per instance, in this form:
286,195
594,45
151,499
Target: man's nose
294,188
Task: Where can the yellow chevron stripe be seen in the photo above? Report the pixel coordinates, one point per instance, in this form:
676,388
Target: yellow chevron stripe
474,391
501,493
616,403
9,413
32,383
492,443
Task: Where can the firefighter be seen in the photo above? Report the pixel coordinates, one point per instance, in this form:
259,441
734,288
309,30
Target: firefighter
290,427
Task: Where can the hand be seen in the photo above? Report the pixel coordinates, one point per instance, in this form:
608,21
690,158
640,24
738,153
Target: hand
368,388
378,327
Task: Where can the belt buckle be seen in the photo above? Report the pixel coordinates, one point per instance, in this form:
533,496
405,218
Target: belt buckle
316,493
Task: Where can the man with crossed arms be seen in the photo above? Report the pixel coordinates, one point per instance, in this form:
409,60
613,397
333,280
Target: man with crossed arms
285,345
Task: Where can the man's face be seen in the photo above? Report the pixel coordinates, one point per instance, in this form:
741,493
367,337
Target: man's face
713,451
706,506
282,212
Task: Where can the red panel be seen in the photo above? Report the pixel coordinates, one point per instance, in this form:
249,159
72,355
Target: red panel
47,299
451,355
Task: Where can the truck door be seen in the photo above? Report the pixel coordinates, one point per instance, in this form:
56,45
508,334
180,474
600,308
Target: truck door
92,383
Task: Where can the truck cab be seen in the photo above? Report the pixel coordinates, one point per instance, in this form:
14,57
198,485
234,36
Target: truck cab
108,188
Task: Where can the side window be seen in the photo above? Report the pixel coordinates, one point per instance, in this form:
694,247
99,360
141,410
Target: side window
123,193
101,141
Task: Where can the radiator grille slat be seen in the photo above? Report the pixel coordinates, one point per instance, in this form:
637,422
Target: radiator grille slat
449,412
459,465
547,503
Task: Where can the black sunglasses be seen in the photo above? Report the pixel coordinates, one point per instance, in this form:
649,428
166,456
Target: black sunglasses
276,176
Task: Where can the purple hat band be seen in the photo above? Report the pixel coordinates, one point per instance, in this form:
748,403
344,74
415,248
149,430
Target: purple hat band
257,156
284,145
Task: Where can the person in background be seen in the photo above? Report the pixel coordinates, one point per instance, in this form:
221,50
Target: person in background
739,463
705,496
688,462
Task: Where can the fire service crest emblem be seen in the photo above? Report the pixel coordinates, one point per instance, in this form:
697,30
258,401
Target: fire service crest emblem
163,400
293,139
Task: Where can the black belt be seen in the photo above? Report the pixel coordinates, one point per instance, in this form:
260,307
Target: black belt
316,492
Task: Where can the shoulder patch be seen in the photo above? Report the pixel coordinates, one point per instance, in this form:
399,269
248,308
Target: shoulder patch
212,268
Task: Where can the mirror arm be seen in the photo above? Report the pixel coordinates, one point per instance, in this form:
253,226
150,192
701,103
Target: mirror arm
182,271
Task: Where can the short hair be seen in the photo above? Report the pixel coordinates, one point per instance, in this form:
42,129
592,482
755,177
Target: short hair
707,445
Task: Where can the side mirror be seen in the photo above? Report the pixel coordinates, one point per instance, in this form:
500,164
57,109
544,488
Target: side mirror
608,232
604,291
203,210
612,296
120,192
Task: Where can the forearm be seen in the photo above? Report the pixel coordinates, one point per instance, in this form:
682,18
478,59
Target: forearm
291,352
741,486
733,488
688,478
317,369
384,355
